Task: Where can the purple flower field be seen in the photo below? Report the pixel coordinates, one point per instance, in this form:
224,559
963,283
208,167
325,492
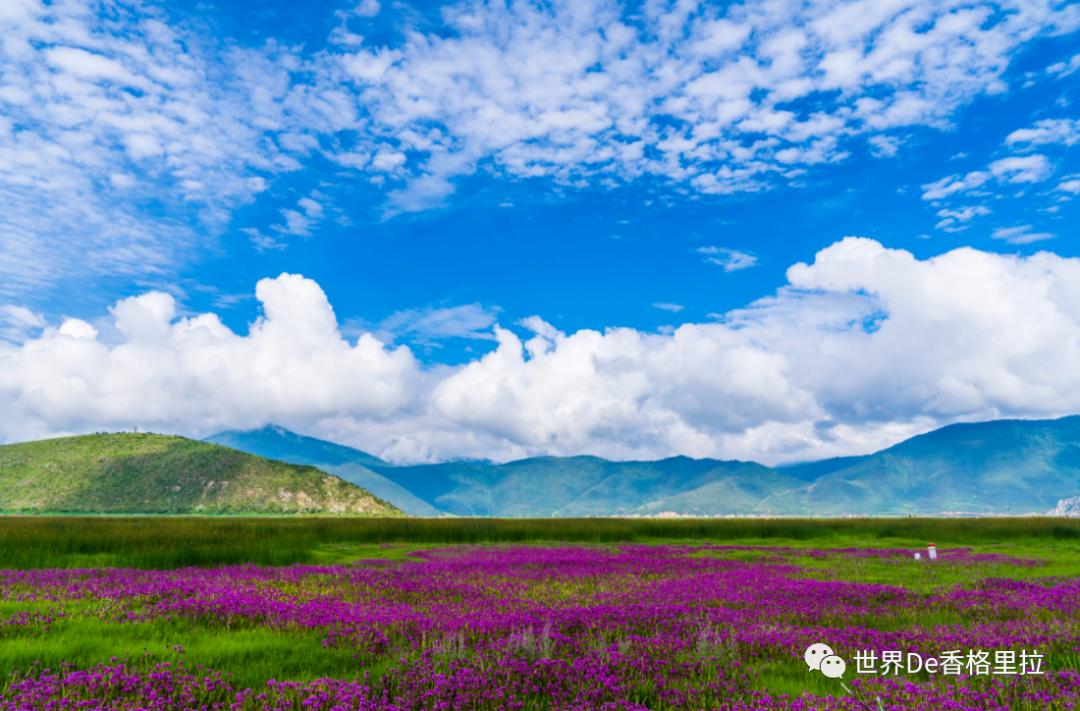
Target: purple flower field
626,627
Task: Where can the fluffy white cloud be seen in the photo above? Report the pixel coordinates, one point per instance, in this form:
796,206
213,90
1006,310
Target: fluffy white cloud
194,373
861,347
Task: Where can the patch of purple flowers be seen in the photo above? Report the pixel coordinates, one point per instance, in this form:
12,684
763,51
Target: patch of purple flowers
632,627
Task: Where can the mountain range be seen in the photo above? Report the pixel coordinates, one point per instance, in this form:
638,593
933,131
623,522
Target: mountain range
996,467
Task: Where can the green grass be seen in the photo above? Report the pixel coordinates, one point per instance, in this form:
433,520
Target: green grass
252,654
1056,560
171,542
1055,557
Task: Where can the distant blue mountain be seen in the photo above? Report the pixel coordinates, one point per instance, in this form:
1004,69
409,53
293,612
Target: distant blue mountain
590,486
350,464
279,443
1003,466
808,471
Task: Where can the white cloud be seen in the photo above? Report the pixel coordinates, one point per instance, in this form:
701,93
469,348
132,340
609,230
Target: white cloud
367,8
1063,131
1021,234
88,65
92,97
884,146
18,322
302,219
863,346
264,242
583,89
1064,69
668,306
1021,169
168,372
731,260
427,326
956,220
954,184
146,134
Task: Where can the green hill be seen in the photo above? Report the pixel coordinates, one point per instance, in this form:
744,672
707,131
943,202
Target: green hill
162,474
350,464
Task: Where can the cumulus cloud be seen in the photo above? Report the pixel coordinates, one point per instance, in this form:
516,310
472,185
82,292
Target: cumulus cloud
859,348
195,374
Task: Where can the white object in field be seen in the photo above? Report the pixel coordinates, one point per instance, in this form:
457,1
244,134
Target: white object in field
918,556
931,552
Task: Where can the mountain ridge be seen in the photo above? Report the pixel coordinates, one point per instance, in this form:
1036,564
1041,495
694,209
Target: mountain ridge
999,466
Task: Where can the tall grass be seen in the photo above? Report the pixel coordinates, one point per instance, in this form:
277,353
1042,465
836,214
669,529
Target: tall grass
171,542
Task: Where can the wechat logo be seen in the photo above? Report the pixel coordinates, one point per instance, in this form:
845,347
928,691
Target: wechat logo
821,657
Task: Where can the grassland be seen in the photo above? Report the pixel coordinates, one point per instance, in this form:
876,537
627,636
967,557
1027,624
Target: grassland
172,542
83,630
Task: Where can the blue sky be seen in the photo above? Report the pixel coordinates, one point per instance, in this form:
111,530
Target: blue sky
437,169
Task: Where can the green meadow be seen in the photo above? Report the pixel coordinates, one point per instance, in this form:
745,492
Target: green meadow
253,653
171,542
